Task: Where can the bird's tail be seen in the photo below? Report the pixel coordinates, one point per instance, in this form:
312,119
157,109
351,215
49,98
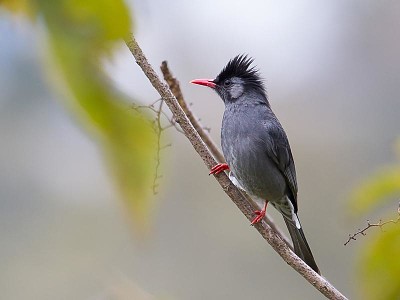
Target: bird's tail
300,244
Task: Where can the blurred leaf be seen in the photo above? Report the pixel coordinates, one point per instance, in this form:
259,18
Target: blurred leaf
379,265
381,186
19,6
81,34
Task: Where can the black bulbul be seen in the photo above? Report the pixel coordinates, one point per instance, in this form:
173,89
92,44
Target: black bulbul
256,147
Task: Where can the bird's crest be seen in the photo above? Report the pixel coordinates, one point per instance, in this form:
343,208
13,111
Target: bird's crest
240,66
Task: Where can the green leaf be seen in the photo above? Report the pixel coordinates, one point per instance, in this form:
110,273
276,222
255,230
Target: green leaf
379,265
382,186
378,262
81,35
24,7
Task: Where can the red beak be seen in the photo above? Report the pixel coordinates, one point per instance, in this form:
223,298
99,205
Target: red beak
207,82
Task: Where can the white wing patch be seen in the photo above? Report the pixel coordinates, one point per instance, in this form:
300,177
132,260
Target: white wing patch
286,208
294,217
235,181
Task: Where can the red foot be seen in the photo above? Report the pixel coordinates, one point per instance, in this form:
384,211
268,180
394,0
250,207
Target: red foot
218,168
260,214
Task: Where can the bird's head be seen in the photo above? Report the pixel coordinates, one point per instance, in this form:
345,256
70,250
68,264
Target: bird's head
236,79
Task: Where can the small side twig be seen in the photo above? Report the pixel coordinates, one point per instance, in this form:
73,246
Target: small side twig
158,160
158,129
380,224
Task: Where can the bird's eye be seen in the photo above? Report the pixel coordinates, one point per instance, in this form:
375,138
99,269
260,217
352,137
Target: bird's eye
227,83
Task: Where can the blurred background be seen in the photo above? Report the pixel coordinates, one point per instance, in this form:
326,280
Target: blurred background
332,72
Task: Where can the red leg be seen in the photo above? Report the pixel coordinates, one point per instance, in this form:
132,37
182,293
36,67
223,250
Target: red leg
218,168
260,214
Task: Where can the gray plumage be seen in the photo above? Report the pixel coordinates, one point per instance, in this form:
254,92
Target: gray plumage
256,147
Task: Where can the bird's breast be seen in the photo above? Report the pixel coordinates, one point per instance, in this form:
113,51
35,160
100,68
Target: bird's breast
246,154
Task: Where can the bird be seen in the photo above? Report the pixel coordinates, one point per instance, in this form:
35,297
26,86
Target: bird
256,147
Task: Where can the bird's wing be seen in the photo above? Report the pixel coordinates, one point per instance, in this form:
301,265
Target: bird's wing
282,155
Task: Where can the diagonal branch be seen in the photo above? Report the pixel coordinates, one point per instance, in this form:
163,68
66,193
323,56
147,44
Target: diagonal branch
175,88
245,206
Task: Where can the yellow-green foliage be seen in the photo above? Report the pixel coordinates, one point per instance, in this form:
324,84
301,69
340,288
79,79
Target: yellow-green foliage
378,265
80,35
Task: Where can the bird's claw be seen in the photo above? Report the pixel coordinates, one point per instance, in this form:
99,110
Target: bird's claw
260,214
218,168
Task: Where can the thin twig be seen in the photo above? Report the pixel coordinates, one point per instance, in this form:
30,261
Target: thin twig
175,88
158,129
171,120
380,224
246,207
